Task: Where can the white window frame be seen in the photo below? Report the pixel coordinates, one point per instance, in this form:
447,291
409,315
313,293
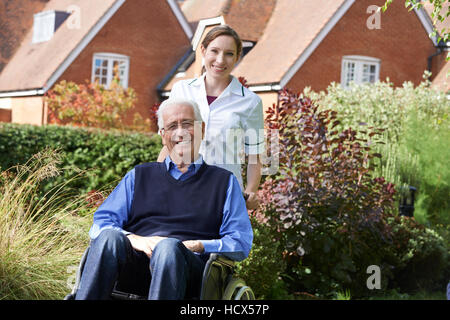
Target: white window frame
111,57
359,62
6,103
43,26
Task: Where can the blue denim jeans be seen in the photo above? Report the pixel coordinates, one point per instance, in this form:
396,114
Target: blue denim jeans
172,273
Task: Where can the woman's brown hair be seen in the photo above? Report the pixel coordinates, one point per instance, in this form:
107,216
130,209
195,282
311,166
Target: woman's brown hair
223,30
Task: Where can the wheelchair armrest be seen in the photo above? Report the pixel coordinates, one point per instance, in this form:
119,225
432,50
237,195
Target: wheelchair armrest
217,270
221,259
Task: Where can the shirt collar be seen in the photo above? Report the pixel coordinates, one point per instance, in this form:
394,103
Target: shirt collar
195,165
234,87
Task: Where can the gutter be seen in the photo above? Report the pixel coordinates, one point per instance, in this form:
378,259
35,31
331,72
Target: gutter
265,87
168,77
441,47
22,93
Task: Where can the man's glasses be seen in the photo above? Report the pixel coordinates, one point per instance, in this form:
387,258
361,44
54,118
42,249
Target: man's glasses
185,124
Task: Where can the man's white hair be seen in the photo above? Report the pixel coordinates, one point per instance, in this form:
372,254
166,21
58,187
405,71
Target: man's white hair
177,101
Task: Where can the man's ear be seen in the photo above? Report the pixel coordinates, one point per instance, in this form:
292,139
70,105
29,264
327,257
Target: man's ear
162,132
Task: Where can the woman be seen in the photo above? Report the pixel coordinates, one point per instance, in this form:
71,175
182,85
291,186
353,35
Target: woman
233,114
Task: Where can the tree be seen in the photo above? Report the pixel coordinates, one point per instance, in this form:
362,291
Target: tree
441,11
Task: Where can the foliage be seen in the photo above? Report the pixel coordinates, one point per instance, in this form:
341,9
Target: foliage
420,295
429,143
106,155
423,260
263,268
382,105
93,105
416,126
90,104
332,216
35,246
436,15
325,202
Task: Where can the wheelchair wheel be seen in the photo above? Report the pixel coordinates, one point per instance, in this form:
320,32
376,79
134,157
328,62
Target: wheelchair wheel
236,289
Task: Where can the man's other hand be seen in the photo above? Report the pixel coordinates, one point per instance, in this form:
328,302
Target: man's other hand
144,244
194,245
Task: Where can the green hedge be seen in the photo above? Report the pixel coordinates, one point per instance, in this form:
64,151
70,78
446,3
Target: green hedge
106,155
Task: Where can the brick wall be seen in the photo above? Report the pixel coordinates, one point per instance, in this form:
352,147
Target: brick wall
5,115
402,44
146,31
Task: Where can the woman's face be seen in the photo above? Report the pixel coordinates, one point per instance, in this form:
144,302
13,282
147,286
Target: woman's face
220,56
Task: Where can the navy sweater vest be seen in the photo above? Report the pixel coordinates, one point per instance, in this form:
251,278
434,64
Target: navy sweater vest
185,210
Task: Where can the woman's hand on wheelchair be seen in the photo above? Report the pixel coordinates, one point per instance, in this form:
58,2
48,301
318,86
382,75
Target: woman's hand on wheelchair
251,200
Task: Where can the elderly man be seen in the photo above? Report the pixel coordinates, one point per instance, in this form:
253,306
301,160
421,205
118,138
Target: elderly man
157,228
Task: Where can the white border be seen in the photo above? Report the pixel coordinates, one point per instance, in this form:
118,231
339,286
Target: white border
22,93
201,28
427,23
180,17
262,88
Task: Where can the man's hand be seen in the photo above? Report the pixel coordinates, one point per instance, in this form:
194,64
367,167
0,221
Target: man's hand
252,201
144,244
194,245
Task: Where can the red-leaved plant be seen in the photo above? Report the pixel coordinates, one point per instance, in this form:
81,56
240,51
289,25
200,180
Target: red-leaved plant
90,104
324,204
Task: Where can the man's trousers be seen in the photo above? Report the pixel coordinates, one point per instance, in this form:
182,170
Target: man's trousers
172,273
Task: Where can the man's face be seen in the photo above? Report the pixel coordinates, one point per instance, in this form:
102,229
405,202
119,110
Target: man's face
181,135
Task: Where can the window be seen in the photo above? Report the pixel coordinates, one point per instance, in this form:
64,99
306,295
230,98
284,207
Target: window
106,65
359,69
45,24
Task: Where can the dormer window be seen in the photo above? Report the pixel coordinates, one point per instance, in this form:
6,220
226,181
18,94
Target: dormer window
246,47
45,24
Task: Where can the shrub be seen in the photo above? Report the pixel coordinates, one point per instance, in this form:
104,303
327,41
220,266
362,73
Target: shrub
416,126
93,105
428,141
105,155
324,201
422,257
90,105
333,217
263,268
36,248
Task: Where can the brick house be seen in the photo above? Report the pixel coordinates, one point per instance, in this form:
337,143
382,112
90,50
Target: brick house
44,42
302,43
292,44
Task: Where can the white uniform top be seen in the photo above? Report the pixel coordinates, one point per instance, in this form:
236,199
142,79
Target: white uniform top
234,122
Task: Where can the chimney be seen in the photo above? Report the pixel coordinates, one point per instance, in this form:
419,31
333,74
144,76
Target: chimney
45,24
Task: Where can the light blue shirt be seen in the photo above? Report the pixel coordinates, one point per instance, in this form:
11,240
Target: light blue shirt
236,232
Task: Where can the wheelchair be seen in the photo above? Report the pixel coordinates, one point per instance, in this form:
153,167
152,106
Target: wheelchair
218,282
